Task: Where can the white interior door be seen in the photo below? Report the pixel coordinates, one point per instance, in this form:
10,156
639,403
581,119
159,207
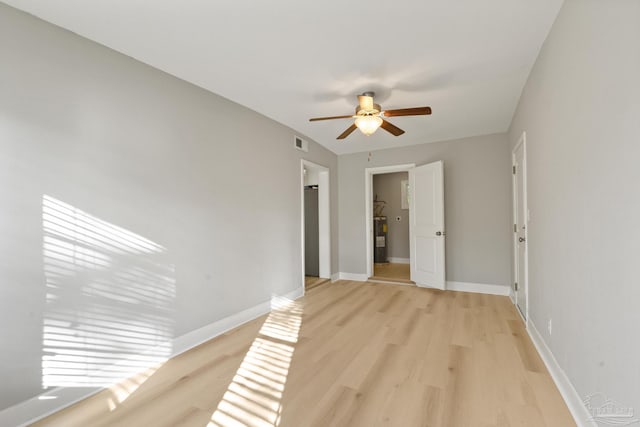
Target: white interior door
426,232
520,231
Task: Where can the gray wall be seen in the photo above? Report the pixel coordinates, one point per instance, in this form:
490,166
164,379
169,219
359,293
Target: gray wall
477,205
387,187
208,190
581,111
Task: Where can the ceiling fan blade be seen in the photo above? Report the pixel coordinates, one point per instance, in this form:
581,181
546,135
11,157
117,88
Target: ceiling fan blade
366,102
417,111
315,119
391,128
347,132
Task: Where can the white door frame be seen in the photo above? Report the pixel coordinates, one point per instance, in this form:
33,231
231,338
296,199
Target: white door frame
324,218
368,195
524,276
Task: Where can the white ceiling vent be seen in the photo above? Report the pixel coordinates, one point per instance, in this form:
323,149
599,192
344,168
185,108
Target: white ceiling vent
300,144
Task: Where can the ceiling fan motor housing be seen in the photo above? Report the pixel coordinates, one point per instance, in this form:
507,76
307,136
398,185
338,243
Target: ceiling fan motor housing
372,112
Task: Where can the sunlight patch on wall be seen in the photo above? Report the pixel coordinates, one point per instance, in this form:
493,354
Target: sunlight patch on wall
254,396
109,303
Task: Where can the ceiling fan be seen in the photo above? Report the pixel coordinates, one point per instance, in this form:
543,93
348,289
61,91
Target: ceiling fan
368,117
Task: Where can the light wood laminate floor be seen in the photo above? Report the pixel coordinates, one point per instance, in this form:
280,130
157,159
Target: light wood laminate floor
348,354
391,271
311,282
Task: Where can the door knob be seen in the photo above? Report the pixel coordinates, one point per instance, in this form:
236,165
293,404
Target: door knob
521,239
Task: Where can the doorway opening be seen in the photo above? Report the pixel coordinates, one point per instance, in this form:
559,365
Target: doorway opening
520,221
391,258
316,234
388,247
425,197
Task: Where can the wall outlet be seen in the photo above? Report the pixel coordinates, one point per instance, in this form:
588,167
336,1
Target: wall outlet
550,326
398,218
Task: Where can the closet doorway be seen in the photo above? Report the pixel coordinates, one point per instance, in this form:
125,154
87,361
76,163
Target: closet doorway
316,239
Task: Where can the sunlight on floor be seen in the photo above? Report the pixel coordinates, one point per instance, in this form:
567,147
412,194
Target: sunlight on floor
122,390
254,396
110,297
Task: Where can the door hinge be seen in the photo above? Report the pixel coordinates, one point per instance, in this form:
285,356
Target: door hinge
515,286
515,228
514,170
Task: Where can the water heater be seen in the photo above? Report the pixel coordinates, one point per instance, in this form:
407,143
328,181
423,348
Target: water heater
380,239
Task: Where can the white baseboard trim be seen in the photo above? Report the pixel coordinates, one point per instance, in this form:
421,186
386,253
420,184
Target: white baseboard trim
31,410
353,276
335,277
580,414
194,338
479,288
399,260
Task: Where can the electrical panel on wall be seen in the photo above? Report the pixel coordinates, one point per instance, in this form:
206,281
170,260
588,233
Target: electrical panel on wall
300,144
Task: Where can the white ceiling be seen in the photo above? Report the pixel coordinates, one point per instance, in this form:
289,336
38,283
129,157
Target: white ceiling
293,59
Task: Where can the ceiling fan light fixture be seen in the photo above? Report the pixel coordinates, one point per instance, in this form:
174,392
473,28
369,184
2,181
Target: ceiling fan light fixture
368,117
368,124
